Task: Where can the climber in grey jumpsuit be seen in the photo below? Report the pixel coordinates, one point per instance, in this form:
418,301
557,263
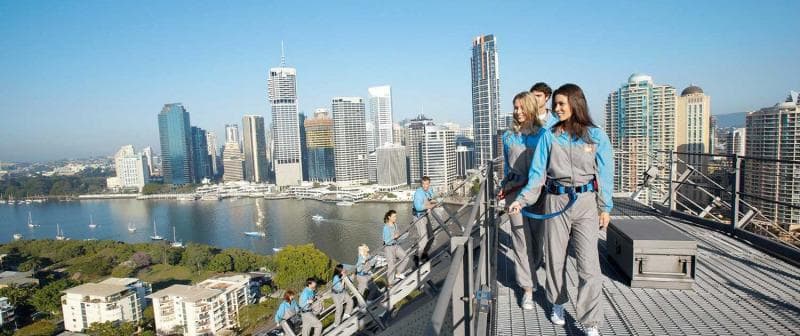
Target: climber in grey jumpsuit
574,156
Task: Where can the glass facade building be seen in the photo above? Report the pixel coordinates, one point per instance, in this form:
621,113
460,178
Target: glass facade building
175,137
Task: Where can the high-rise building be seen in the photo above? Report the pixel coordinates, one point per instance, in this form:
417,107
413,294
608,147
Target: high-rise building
391,162
303,146
485,95
255,149
148,154
371,137
176,141
465,158
131,168
640,121
232,163
372,167
398,135
350,139
207,308
112,300
773,133
439,157
693,125
232,133
201,160
319,143
735,141
7,315
380,106
415,136
211,141
286,152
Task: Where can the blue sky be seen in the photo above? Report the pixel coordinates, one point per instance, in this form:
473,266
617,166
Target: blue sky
81,78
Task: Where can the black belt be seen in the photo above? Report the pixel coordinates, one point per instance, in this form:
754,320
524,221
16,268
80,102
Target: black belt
393,244
362,273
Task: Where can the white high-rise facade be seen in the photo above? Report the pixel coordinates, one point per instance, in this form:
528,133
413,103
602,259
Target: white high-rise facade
391,166
131,167
232,163
735,140
414,139
211,144
286,155
112,300
439,157
640,122
485,96
232,133
380,106
148,155
255,149
350,139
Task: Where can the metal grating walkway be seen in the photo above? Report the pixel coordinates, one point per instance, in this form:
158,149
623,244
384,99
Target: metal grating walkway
738,291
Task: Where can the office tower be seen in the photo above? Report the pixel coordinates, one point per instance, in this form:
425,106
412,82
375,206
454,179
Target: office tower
485,96
232,133
176,141
211,141
380,106
232,163
350,139
773,133
371,134
201,161
131,167
735,141
148,154
693,125
372,167
398,135
255,149
303,146
112,300
465,157
415,136
439,157
207,308
640,121
286,150
391,162
319,141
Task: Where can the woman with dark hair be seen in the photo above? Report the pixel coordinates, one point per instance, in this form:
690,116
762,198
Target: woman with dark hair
574,162
518,144
394,253
286,316
340,296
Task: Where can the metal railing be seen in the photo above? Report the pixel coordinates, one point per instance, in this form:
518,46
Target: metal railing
468,290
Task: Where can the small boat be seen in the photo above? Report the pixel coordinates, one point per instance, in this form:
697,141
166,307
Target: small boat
155,235
30,221
131,228
277,249
255,234
189,198
175,241
92,225
60,234
210,197
17,236
317,218
345,203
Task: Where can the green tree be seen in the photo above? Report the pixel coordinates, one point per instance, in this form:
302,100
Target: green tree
123,271
222,262
243,260
48,298
32,264
294,264
111,329
197,256
38,328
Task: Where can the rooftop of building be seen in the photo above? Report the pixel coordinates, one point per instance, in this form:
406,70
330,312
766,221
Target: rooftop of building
185,292
120,281
692,89
96,290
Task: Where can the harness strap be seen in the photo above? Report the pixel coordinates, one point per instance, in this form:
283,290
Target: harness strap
558,189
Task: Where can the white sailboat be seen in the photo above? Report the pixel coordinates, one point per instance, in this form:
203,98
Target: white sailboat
155,235
92,225
17,236
175,241
60,234
30,221
131,228
255,234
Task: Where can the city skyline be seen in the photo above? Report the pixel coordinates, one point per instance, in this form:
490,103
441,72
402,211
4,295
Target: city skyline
65,73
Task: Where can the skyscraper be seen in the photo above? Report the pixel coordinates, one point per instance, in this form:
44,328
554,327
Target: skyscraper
735,140
286,152
175,136
211,141
439,157
371,137
485,96
201,160
303,146
131,167
465,157
640,121
693,124
350,139
148,154
232,133
255,149
319,143
414,140
773,133
232,162
380,106
391,161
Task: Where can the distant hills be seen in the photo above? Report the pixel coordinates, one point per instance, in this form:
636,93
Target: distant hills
731,119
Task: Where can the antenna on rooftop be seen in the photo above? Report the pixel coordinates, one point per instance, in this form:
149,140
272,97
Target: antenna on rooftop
283,56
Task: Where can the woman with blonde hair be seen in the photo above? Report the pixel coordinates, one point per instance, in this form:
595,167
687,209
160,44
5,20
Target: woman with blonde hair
518,145
364,266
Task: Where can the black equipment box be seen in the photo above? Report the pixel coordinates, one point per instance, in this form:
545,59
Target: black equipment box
652,254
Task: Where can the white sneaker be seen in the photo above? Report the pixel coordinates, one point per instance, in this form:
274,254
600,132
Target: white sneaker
345,316
592,331
400,276
527,301
557,317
